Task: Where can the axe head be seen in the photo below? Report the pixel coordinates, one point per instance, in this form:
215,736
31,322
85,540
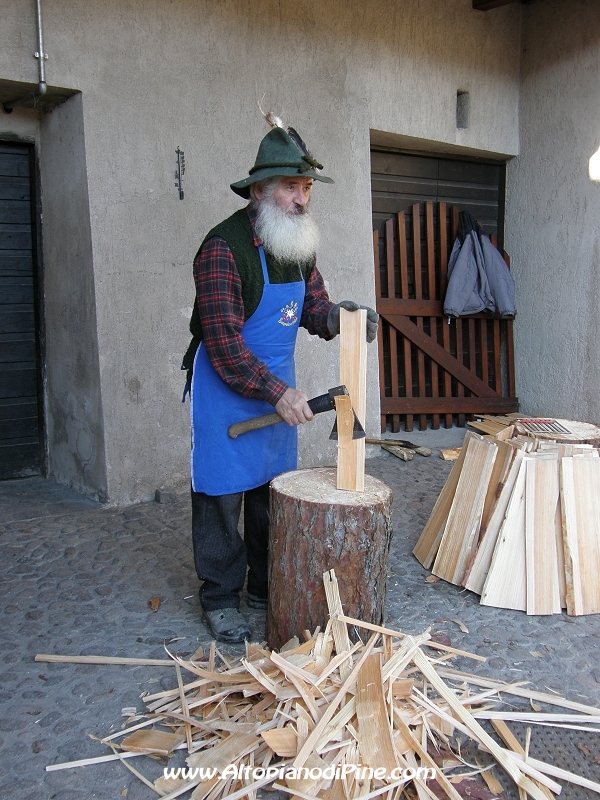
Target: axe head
358,431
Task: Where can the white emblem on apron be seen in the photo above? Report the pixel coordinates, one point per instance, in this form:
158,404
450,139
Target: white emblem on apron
289,314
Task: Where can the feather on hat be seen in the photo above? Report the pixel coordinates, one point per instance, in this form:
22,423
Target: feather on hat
282,153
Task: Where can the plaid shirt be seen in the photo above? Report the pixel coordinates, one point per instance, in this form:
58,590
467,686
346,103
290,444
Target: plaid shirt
219,298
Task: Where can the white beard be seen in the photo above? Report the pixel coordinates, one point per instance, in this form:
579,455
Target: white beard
286,235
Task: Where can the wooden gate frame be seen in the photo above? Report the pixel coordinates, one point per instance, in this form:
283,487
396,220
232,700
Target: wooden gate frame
420,371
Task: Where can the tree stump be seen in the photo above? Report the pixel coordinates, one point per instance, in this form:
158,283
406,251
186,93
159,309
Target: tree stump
316,527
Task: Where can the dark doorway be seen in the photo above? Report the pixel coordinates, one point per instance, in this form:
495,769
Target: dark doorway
400,180
20,406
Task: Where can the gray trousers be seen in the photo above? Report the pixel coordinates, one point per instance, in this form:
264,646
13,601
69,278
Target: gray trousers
221,555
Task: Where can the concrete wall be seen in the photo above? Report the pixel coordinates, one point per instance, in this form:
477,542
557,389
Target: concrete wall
156,75
553,212
74,422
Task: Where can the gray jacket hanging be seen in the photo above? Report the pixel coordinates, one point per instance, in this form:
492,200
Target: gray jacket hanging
501,282
478,279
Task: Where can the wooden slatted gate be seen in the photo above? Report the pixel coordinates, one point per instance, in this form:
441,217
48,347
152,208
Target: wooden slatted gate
20,426
429,368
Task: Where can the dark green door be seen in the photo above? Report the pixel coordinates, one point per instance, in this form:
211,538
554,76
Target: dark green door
20,440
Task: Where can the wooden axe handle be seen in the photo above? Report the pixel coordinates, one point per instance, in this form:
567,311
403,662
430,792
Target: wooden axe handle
253,424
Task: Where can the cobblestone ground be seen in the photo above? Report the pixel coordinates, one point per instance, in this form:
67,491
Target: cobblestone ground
77,577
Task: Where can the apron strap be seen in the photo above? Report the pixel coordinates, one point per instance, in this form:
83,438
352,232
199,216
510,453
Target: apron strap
263,263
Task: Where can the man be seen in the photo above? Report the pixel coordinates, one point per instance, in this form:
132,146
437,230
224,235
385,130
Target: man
256,282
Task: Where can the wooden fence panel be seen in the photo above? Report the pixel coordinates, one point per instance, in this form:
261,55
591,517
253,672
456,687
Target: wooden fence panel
433,368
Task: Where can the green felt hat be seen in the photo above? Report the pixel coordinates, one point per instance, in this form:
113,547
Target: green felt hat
279,155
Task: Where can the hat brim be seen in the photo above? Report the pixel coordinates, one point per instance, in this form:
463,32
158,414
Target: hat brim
242,188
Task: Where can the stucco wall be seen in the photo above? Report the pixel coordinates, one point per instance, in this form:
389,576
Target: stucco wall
74,421
553,212
157,75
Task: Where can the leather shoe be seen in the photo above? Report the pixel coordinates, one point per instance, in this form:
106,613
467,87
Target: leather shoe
228,625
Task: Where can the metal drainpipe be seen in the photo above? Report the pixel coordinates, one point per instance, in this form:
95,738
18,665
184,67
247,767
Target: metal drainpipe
41,56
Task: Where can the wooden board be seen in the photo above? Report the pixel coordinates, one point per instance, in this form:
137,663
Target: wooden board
338,629
462,528
580,503
427,546
506,582
504,458
353,374
541,558
484,426
505,434
349,476
227,751
450,454
161,743
560,549
374,734
483,559
283,741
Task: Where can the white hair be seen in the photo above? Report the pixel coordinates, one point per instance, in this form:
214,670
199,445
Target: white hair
286,235
266,189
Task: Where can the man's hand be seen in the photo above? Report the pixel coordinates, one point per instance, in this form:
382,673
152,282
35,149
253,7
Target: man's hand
333,320
293,407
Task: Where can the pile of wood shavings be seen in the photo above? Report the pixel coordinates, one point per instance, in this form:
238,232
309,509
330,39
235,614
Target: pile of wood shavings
389,704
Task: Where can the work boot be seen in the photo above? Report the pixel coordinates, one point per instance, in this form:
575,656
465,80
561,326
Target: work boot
254,601
228,625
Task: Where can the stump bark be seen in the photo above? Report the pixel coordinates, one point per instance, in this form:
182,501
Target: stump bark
316,527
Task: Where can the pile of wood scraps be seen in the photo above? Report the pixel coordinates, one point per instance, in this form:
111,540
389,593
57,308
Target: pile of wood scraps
330,719
400,448
492,424
450,453
518,520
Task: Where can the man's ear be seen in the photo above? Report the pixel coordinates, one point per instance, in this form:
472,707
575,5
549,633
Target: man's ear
257,191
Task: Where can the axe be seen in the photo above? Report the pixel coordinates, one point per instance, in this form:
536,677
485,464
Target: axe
324,402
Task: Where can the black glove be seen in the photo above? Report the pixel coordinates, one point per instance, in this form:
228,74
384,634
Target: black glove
333,320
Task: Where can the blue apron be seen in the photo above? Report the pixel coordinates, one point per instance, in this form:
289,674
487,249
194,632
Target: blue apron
219,464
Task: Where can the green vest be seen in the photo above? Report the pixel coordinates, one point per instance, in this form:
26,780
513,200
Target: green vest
236,230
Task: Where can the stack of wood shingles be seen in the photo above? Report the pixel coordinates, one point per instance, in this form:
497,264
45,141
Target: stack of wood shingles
518,522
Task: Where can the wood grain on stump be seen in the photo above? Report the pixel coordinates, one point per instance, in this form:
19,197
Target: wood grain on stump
316,527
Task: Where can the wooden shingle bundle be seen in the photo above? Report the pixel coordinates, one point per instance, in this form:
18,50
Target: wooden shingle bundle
518,522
